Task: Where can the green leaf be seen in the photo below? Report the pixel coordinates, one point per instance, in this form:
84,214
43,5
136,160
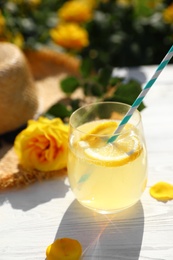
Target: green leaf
125,100
93,89
69,84
104,76
75,104
127,93
86,67
131,89
143,7
59,110
116,80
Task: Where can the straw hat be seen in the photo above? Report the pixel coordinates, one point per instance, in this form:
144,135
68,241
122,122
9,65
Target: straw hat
29,85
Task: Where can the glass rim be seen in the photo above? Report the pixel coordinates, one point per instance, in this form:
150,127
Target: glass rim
105,103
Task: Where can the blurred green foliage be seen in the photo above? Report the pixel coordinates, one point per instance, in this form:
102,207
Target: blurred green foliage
31,21
129,36
120,35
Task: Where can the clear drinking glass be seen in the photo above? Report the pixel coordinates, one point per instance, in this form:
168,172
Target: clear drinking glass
106,176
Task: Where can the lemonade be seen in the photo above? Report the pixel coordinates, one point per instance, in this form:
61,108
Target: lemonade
106,176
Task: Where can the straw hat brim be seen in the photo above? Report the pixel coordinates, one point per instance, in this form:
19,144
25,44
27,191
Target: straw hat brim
48,68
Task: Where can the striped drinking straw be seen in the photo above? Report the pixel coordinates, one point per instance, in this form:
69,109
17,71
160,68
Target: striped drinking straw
143,93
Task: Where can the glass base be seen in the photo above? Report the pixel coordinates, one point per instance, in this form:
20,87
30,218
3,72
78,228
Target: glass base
112,211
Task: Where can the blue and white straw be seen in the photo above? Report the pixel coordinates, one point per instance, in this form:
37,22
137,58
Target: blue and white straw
143,93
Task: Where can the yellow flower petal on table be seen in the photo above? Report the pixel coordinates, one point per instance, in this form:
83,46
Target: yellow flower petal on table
70,36
43,145
162,191
64,249
75,11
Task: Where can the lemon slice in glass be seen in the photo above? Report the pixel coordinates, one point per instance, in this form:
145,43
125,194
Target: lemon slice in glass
126,148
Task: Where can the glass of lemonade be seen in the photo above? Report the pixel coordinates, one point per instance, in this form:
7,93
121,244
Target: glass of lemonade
106,176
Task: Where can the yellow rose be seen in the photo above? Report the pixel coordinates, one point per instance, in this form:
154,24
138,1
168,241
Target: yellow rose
70,36
43,145
2,23
168,14
75,11
34,2
18,40
124,2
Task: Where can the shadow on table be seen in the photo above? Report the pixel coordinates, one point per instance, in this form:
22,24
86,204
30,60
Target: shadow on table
104,236
36,194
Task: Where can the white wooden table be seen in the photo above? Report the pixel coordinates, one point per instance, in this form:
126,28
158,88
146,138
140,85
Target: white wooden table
32,218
